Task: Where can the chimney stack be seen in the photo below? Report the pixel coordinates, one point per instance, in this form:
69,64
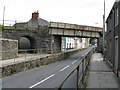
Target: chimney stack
35,15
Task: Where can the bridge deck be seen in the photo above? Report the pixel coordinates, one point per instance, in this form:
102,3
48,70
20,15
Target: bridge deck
64,29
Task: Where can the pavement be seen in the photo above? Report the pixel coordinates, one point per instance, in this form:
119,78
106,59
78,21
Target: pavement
25,57
100,74
22,58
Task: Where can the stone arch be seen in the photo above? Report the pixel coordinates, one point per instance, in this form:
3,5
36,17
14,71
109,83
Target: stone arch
26,42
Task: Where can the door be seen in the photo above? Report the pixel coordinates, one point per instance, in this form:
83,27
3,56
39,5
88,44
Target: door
116,54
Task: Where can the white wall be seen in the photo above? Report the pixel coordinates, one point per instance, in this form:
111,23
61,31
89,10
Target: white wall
70,42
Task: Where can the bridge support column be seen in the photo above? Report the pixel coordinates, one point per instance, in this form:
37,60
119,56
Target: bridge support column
99,44
56,43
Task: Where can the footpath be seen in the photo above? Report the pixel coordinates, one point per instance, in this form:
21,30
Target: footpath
100,74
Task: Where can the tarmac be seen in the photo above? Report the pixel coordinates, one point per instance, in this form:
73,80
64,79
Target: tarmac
100,75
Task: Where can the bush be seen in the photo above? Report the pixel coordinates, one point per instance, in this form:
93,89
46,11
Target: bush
2,26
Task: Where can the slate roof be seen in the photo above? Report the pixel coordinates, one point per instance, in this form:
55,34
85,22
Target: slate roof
37,22
33,23
20,25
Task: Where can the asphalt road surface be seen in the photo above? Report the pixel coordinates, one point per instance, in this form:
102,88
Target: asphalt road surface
49,76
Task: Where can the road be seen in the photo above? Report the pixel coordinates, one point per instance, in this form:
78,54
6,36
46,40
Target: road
49,76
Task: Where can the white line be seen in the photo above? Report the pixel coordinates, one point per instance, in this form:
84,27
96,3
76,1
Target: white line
65,68
42,81
74,61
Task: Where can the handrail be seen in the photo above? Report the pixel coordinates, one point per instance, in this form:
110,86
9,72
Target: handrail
59,87
30,49
77,68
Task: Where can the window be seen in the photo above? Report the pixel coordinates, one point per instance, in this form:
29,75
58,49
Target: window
67,45
116,16
80,40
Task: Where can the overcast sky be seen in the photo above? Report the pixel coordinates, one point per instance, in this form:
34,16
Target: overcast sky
83,12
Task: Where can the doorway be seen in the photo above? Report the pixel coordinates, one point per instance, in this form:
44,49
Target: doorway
116,55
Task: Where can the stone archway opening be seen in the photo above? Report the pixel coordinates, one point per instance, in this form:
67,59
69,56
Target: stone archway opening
26,42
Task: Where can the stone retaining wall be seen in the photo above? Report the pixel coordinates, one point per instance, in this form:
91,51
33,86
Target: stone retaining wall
9,48
24,66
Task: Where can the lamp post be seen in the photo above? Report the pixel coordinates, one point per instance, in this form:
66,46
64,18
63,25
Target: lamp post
3,18
3,15
104,33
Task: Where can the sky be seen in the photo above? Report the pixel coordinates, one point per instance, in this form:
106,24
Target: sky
82,12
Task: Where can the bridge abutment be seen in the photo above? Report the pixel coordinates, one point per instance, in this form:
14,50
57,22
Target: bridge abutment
56,43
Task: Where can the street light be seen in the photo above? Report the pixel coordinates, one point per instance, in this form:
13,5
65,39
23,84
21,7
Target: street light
3,15
3,18
104,33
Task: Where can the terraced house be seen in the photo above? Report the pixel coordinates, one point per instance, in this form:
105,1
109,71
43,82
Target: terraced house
113,37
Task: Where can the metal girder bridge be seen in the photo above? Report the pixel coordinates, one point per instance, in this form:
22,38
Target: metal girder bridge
65,29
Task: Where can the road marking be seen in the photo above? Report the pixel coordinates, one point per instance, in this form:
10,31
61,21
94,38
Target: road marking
42,81
74,62
65,68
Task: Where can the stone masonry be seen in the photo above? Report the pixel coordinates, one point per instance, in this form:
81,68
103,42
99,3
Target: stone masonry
9,48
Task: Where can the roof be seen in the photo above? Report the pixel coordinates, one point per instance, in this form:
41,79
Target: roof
116,2
37,22
33,23
20,25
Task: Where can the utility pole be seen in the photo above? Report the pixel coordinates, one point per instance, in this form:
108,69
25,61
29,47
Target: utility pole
3,15
104,33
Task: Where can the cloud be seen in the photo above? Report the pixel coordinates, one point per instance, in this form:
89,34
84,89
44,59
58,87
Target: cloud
73,11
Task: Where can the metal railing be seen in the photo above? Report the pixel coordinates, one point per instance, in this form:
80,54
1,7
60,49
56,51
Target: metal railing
24,55
84,62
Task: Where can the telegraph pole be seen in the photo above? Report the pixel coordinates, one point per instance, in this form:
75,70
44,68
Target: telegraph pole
3,15
104,33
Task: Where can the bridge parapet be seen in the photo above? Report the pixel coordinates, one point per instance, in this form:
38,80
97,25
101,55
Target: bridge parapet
74,26
65,29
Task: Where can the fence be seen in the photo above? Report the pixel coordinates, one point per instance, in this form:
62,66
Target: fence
29,54
8,24
82,66
14,24
29,59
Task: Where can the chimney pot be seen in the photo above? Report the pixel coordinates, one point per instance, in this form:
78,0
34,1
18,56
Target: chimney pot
35,15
